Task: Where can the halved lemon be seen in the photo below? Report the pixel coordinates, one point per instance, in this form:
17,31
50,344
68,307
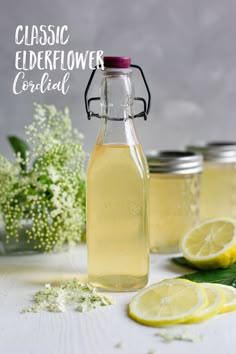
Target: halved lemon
211,244
230,298
168,302
215,297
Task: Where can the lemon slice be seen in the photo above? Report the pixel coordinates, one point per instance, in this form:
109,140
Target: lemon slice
215,297
168,302
230,298
211,245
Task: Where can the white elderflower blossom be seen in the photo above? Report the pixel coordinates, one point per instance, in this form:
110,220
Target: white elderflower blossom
83,297
50,189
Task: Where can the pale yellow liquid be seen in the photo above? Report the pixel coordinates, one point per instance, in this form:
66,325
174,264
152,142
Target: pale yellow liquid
174,209
117,218
218,194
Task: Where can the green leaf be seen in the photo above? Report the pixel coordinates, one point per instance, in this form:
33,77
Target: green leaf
19,146
222,276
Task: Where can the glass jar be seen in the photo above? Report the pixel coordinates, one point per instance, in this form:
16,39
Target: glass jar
174,197
21,245
218,195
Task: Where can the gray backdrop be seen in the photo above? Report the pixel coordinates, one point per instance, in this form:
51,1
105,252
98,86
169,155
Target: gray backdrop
186,47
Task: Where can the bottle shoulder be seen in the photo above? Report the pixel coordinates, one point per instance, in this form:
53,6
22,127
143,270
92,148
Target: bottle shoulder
122,157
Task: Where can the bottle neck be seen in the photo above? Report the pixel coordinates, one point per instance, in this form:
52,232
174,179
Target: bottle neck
117,132
117,95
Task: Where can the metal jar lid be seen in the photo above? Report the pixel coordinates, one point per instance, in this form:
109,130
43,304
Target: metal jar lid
216,151
174,162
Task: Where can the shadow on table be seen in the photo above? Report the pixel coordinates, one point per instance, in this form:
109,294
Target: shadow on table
58,279
41,269
175,268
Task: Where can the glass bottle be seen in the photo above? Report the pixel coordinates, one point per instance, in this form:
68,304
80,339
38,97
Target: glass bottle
117,189
174,197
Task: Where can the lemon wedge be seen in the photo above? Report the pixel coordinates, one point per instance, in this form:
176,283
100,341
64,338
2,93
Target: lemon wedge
215,297
168,302
230,298
211,244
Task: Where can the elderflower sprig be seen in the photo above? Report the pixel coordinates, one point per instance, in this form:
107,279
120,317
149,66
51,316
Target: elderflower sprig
46,185
83,297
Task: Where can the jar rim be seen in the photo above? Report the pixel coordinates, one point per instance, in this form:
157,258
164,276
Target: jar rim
216,151
174,162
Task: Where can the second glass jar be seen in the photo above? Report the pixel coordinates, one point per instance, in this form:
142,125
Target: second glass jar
174,197
218,195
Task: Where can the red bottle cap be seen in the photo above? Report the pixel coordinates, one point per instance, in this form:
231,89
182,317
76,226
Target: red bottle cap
117,62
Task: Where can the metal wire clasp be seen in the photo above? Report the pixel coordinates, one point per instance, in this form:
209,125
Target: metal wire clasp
146,105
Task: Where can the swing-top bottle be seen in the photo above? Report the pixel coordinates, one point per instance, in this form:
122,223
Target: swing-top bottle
117,188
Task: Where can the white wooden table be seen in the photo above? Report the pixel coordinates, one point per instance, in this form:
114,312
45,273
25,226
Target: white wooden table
95,332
